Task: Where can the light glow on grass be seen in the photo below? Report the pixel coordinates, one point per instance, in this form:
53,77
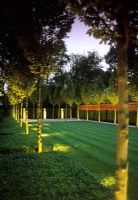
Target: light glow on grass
30,125
51,134
34,129
108,181
63,148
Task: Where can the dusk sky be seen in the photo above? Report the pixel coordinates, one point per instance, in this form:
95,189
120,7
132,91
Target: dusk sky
80,42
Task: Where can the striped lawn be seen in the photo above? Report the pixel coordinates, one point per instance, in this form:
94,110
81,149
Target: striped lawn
93,145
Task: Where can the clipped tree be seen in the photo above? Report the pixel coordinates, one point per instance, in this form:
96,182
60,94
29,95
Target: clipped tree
98,93
84,69
23,85
87,96
68,92
111,93
112,96
77,98
99,98
14,100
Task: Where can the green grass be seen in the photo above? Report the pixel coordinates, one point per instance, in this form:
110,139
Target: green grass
78,161
93,145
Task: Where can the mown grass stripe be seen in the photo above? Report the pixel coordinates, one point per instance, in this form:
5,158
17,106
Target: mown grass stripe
94,142
82,146
90,133
88,138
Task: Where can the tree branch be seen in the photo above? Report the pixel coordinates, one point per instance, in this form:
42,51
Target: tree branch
100,19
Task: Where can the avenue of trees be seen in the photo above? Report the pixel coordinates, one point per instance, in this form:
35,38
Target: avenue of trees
32,48
31,40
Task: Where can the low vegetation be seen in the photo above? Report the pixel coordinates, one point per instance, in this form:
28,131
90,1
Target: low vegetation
27,175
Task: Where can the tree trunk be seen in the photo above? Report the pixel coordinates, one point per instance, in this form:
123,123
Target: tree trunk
21,116
66,112
53,111
41,109
58,111
87,114
39,116
18,113
78,112
70,112
115,116
14,115
122,136
99,114
26,117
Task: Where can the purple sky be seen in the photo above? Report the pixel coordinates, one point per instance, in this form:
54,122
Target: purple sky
80,42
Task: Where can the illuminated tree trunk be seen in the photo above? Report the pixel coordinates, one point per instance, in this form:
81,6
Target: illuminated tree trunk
78,112
53,111
115,116
122,136
26,117
21,116
39,117
99,114
87,114
14,115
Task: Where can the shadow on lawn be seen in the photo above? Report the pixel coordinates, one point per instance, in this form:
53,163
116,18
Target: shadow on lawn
52,175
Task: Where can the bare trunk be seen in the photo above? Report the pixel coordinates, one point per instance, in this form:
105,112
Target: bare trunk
26,116
115,116
122,136
58,111
87,114
39,117
99,114
78,113
70,112
21,116
14,112
18,114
